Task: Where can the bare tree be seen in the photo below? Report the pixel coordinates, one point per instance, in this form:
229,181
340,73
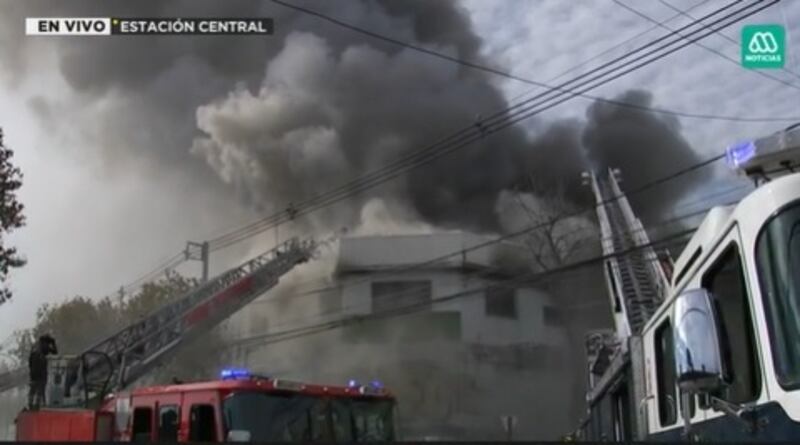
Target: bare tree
560,234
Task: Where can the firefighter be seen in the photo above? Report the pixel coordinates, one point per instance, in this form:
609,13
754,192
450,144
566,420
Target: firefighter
37,369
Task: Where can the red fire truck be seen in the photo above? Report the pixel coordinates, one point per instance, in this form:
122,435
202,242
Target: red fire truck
87,395
239,407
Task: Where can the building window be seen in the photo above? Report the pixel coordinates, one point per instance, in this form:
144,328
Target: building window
552,316
501,302
392,295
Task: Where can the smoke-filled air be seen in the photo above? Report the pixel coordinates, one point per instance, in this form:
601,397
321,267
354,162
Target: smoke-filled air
285,118
278,120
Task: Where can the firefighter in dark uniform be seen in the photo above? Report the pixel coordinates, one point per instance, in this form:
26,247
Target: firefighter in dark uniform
37,369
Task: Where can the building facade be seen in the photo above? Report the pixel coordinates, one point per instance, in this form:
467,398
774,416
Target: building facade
460,339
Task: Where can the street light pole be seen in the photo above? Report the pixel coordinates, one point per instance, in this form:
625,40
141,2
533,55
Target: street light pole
198,251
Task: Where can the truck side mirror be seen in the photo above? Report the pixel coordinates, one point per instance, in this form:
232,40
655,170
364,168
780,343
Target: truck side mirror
698,357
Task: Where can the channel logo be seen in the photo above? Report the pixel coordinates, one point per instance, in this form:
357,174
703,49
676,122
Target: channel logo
763,42
763,46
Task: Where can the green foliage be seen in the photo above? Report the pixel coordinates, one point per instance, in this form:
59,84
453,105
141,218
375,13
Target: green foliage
11,216
79,322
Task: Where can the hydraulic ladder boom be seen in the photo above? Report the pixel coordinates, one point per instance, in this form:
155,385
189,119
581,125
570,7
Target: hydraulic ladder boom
137,348
636,280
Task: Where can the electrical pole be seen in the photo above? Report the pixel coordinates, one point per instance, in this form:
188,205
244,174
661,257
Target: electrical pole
199,252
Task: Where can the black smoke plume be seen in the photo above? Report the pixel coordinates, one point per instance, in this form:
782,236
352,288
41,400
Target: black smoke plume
645,147
289,116
283,118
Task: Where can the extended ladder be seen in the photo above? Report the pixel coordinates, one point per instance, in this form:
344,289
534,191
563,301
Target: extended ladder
635,277
637,284
137,348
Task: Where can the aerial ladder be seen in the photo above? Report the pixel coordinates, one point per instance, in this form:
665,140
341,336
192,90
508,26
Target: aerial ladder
637,277
120,359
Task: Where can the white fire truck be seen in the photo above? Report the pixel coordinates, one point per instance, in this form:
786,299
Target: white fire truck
711,351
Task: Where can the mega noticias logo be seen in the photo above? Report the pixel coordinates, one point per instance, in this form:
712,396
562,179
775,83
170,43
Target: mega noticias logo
763,46
109,26
763,42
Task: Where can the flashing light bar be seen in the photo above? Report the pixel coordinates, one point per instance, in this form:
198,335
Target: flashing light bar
740,153
769,156
353,384
234,373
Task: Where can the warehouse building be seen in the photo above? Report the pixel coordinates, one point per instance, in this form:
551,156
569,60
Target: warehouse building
460,340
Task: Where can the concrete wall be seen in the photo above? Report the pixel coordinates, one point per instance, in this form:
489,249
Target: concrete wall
377,252
476,325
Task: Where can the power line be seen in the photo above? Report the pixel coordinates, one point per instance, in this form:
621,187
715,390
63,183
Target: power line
577,213
609,50
620,44
550,105
489,272
259,226
163,267
521,279
573,68
705,47
508,75
463,137
637,191
719,33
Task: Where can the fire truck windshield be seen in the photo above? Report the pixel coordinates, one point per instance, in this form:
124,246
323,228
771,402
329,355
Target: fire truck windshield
273,417
778,262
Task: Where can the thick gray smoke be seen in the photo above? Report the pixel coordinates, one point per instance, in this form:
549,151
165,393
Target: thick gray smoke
289,116
645,147
283,118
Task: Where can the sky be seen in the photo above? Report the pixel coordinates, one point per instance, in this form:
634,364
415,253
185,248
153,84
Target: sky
95,223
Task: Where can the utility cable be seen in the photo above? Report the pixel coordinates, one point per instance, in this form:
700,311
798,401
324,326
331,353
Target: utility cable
492,271
721,34
724,56
521,279
477,66
348,189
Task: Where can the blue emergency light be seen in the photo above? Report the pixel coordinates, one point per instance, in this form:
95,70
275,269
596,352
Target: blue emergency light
353,384
234,373
740,153
376,384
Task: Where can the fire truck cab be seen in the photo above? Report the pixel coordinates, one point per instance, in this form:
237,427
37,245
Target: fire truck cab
239,407
719,359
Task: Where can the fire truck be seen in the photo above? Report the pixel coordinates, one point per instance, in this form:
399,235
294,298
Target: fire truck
88,396
237,408
710,352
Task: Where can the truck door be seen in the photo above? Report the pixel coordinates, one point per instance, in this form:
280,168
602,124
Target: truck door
723,275
663,404
142,427
169,408
620,400
201,417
